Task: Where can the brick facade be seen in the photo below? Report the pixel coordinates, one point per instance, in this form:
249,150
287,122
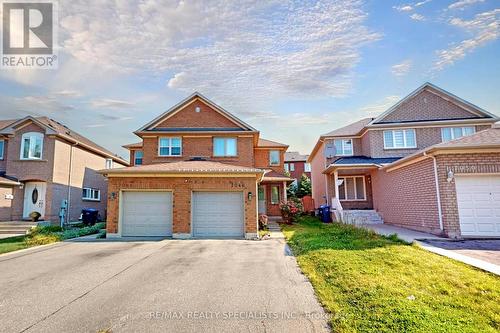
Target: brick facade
182,188
299,169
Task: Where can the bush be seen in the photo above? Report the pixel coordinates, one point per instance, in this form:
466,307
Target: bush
291,209
42,239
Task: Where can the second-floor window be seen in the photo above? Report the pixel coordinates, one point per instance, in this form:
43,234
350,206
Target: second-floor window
170,147
274,157
32,146
343,147
404,138
225,147
307,167
138,156
91,194
452,133
287,168
2,148
292,166
109,163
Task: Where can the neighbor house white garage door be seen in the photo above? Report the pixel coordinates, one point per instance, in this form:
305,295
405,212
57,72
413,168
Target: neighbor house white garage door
218,214
146,214
479,205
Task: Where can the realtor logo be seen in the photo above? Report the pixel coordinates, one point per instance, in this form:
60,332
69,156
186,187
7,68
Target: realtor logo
28,35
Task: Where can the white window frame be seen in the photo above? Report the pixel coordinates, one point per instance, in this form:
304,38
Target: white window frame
451,128
91,191
343,144
287,168
135,157
31,135
2,143
355,188
292,167
169,146
307,167
270,159
109,163
405,145
225,139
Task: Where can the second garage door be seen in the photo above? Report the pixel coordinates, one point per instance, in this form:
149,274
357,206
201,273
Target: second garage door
147,214
478,199
218,214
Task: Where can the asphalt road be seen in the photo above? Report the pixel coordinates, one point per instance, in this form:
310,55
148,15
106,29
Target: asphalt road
167,286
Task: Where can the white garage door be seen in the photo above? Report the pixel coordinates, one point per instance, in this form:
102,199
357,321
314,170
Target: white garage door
218,214
147,214
479,205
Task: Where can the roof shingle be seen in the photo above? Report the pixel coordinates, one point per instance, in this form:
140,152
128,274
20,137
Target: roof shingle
351,129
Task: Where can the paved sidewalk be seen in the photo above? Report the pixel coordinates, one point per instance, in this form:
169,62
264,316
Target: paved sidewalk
405,234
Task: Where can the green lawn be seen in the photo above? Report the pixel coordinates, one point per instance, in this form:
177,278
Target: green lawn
371,283
12,244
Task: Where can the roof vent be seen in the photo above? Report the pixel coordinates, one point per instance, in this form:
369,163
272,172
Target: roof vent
197,109
197,158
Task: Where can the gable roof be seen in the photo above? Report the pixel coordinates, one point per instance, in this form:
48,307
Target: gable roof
179,106
353,129
427,86
55,128
133,145
263,143
295,156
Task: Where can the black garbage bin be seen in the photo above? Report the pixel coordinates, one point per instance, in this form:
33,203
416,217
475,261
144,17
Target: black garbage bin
324,213
89,216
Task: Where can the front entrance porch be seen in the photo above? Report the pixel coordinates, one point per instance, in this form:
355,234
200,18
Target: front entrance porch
272,191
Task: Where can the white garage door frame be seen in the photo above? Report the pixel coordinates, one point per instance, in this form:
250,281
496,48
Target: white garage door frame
217,191
470,175
120,203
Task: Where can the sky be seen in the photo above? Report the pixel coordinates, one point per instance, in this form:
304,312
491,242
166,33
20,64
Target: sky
292,69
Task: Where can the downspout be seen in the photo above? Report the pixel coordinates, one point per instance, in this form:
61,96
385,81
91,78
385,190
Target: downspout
69,182
438,193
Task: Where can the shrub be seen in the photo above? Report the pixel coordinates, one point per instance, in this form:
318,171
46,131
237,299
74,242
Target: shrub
35,216
291,209
42,239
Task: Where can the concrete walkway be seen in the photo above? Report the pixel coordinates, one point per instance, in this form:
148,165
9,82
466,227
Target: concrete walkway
419,238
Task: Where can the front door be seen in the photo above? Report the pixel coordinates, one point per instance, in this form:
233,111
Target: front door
262,200
34,198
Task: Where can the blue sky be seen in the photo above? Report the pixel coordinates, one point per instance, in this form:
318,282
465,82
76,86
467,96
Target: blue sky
294,70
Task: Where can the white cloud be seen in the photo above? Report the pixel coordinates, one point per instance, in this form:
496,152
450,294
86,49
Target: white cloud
68,93
242,52
463,3
404,8
417,17
402,68
375,109
483,28
107,103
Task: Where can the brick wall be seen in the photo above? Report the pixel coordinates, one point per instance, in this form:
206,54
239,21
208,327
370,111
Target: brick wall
482,162
3,161
407,196
427,106
299,169
182,188
188,117
262,160
201,145
318,179
5,204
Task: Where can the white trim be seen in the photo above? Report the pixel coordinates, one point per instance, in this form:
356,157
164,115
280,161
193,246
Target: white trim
404,131
453,132
355,188
91,191
342,141
141,158
169,145
225,138
307,167
31,135
108,164
438,192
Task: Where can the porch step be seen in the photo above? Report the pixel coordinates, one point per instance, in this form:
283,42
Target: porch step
358,217
16,228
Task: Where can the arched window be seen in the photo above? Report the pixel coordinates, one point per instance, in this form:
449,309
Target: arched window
32,146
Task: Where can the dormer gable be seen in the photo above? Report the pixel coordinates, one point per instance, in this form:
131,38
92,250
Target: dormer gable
196,114
431,103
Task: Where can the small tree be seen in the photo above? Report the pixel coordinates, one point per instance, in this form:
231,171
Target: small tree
304,186
291,191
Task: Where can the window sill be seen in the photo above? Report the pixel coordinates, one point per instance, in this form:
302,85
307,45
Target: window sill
403,148
354,200
91,200
224,156
169,156
31,160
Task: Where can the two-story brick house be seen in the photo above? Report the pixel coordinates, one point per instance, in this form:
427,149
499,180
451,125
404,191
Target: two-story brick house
431,163
42,163
296,165
198,172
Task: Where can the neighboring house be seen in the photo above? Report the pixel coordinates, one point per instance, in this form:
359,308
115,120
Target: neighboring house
198,172
296,165
430,163
42,163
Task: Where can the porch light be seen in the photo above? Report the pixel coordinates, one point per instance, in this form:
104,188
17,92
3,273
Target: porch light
451,175
250,196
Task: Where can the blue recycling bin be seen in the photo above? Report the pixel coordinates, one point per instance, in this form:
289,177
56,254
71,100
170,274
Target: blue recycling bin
325,214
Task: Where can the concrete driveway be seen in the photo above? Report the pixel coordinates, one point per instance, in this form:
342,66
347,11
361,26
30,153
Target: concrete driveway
167,286
484,249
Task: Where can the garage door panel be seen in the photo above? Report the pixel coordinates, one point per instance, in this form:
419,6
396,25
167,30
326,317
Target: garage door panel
147,214
218,214
478,198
